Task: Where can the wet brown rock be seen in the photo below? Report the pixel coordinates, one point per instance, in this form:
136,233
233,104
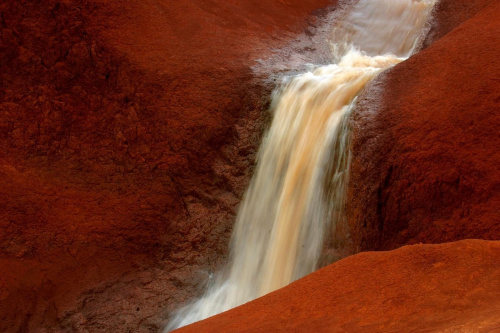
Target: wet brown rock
449,287
425,144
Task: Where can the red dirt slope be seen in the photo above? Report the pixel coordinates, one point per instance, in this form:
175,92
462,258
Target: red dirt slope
422,288
426,144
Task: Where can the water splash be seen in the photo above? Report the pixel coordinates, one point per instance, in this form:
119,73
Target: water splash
297,192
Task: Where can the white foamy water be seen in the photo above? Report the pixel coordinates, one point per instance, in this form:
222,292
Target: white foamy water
297,192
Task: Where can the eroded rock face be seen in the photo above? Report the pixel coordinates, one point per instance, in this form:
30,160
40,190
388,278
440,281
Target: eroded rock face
127,135
425,144
449,287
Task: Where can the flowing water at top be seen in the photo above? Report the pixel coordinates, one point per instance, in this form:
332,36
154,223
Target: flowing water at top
297,192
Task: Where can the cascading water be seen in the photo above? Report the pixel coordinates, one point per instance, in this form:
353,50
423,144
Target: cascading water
297,192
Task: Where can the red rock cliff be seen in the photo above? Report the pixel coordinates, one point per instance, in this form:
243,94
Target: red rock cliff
127,132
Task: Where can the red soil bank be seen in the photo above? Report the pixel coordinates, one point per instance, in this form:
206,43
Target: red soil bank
127,134
426,144
450,287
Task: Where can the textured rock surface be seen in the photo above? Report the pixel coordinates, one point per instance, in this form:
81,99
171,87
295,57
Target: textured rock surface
449,287
448,14
426,161
127,135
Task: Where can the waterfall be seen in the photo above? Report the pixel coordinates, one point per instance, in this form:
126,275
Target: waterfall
297,192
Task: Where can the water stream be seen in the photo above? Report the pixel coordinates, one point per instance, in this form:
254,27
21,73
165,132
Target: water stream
297,192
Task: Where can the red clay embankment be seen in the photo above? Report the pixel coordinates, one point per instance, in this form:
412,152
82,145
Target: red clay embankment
449,287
